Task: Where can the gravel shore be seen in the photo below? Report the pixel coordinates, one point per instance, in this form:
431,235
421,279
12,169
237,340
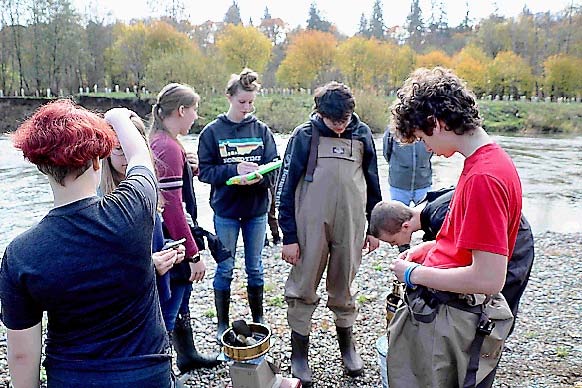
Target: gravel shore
545,350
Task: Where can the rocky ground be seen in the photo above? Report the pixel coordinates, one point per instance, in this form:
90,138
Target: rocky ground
545,351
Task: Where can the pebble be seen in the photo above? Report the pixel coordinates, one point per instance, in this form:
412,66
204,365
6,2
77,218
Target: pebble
545,349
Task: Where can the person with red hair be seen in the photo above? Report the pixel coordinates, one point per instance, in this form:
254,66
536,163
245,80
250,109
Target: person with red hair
87,263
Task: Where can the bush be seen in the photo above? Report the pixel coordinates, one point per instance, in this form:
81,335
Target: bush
283,113
373,110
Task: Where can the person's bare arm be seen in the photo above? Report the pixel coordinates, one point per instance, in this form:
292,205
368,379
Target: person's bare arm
134,145
24,349
486,275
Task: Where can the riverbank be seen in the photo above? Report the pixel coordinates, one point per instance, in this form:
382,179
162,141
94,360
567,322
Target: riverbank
544,351
284,112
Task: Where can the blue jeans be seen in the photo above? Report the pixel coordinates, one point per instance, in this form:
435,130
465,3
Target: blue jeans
178,303
253,232
407,196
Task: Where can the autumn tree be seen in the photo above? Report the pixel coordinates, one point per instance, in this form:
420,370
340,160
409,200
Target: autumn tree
352,59
309,55
562,76
361,60
434,58
471,64
135,45
242,47
509,74
401,62
493,35
99,37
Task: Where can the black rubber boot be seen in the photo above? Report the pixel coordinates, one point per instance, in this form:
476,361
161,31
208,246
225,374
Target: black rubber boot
188,357
351,359
255,295
222,304
299,359
175,379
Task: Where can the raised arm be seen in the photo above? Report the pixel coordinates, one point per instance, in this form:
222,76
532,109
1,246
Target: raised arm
24,350
134,145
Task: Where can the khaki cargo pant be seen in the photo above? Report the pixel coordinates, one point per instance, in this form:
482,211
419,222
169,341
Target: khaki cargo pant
331,221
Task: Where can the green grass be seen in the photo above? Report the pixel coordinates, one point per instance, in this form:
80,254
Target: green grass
532,117
210,313
562,351
362,299
114,95
277,301
531,335
268,287
377,266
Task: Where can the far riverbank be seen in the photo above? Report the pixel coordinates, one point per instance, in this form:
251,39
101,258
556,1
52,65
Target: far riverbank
284,112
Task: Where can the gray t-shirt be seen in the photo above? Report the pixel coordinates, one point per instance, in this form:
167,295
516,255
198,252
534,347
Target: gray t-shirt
88,265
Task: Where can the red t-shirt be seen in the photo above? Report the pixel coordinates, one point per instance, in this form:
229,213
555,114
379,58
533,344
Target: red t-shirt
484,212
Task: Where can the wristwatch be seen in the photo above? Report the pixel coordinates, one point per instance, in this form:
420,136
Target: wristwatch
194,259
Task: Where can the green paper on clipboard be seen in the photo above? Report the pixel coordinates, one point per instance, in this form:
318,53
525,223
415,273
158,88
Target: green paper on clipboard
265,168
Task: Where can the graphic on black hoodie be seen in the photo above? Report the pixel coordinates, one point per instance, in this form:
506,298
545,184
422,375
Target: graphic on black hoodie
239,147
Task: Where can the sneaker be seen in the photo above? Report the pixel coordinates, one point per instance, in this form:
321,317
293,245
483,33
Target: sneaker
267,241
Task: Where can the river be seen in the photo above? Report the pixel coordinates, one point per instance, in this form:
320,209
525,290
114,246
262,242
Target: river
550,169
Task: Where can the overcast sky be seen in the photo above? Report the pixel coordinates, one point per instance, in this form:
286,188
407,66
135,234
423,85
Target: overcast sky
345,14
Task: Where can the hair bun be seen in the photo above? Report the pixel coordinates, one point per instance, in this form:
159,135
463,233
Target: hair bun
247,77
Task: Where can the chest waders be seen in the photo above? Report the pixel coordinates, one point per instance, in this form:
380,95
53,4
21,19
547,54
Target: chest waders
441,339
330,215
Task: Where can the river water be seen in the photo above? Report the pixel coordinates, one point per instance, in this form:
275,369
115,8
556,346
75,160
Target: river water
550,169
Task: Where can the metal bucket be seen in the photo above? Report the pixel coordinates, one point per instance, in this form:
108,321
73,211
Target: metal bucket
382,350
245,353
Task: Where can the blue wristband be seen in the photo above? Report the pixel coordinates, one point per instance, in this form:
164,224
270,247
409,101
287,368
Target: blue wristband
407,273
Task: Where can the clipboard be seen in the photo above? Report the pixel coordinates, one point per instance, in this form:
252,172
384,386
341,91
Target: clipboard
263,169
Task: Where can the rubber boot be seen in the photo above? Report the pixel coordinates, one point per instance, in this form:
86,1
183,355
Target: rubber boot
222,304
299,359
255,295
351,359
188,357
175,379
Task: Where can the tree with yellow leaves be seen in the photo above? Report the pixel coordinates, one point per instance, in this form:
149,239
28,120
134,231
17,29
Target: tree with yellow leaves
562,76
309,55
433,59
135,45
471,64
242,47
509,74
361,61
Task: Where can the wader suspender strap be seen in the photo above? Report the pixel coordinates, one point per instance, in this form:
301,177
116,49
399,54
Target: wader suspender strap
483,329
312,161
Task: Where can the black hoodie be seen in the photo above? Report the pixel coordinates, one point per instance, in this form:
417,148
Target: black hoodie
295,165
222,145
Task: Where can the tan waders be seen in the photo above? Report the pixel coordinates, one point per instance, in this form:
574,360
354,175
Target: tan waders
331,221
434,343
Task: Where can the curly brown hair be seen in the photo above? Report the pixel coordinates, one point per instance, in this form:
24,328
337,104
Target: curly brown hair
430,94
